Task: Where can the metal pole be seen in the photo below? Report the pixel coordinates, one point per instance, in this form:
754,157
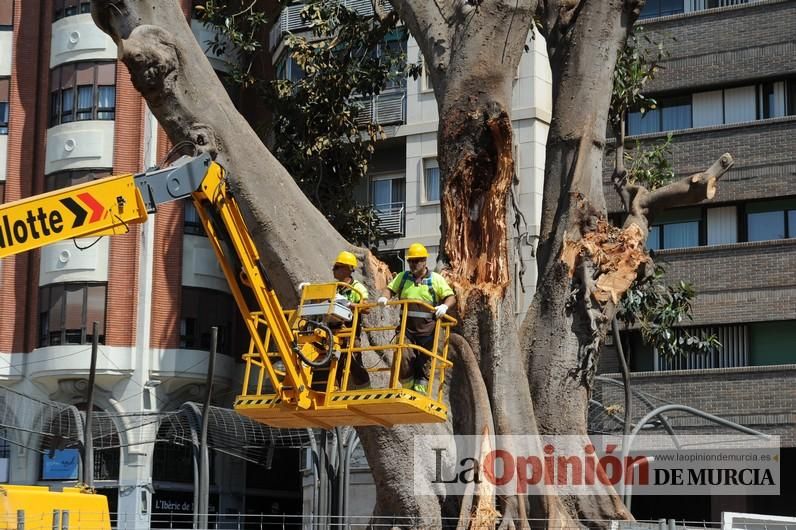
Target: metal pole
204,464
88,442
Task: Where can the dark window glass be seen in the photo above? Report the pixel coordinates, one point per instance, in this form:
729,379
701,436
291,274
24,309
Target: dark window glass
205,308
654,238
638,123
68,8
681,235
5,83
3,117
67,106
791,95
85,101
106,105
82,91
661,8
671,113
67,311
193,224
62,179
676,114
771,220
671,7
764,226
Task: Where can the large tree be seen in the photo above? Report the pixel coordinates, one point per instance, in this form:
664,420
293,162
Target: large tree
533,378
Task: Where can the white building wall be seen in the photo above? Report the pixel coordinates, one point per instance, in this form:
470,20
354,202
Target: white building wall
200,268
77,38
79,144
531,114
81,260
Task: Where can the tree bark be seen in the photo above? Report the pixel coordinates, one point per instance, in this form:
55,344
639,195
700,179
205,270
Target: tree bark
511,382
168,67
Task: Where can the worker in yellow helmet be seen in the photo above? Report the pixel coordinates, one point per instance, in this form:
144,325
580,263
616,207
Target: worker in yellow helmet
418,283
355,292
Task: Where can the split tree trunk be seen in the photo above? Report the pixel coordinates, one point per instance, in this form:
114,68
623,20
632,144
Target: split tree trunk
524,383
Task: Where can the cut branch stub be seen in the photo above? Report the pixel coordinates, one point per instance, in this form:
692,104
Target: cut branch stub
615,255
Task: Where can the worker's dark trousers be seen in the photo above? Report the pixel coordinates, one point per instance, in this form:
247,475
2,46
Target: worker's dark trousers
416,364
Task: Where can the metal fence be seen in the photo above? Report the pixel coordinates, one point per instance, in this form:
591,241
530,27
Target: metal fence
97,521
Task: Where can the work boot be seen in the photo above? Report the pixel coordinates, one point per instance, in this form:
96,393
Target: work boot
420,386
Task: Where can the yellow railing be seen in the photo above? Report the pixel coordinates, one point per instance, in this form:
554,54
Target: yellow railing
261,365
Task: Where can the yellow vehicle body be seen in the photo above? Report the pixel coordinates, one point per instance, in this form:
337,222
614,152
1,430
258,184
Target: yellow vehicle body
36,507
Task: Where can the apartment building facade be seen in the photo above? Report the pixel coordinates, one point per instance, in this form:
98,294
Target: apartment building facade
728,85
68,114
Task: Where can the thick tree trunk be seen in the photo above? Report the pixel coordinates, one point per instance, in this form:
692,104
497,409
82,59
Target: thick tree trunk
510,383
565,325
168,67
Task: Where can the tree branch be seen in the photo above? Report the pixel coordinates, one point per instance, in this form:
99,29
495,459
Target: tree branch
689,190
429,23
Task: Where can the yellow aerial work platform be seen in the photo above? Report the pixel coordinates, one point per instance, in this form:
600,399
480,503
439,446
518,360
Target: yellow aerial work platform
332,401
300,353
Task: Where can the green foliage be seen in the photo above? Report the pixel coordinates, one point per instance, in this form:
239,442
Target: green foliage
657,309
649,165
317,130
636,64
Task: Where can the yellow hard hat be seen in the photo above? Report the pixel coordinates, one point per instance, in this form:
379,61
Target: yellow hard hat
415,251
346,258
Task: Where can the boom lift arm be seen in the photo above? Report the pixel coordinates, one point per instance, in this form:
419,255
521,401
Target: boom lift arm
296,350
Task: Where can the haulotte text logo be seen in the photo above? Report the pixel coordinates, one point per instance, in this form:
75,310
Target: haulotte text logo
735,464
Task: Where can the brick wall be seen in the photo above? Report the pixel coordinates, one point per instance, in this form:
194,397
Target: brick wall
726,46
763,154
28,90
167,267
120,319
762,397
744,282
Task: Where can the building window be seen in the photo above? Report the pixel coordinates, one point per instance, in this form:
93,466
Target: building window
192,223
205,308
67,311
670,114
662,8
770,220
5,83
431,180
68,8
710,4
64,179
791,96
82,91
425,80
675,229
388,196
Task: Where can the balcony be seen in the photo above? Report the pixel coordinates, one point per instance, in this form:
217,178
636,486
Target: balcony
388,108
290,20
391,218
77,38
